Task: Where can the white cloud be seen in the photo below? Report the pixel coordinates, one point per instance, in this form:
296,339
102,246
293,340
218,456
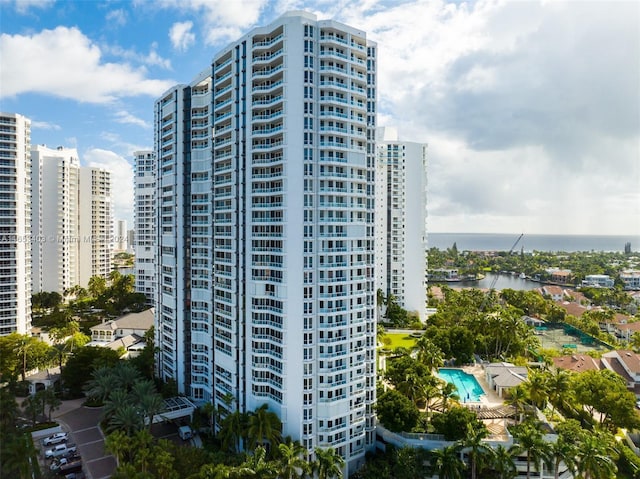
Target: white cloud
117,17
127,118
65,63
181,35
121,180
131,55
44,125
221,20
23,6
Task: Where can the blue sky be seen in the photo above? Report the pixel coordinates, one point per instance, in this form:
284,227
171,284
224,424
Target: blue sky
531,109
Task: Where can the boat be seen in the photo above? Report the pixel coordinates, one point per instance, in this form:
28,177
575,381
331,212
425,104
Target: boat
523,276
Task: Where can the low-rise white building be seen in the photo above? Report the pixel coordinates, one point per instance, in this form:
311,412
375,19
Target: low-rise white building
598,281
631,279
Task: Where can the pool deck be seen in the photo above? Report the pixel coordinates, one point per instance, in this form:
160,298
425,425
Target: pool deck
497,427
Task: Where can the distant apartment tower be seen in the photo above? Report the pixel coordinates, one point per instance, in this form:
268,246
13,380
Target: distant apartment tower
55,212
265,200
95,223
144,243
120,236
15,224
401,215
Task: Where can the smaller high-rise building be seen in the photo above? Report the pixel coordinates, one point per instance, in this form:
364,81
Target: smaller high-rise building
95,223
120,238
55,183
145,223
401,215
15,224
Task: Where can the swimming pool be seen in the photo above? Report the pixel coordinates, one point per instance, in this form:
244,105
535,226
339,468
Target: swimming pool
467,386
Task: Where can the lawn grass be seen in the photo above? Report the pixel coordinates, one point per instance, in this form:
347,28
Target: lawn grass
398,340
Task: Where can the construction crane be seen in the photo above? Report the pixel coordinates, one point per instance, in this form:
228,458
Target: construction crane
495,278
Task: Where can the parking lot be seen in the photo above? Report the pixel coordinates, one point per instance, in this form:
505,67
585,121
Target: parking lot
82,424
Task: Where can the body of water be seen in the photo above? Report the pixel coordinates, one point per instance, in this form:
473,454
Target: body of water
498,282
534,242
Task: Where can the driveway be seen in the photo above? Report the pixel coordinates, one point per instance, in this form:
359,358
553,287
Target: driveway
83,422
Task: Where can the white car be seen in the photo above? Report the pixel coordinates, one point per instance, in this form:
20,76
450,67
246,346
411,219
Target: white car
56,438
60,450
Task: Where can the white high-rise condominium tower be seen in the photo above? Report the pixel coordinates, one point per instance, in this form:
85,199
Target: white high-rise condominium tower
15,224
95,223
55,184
144,242
120,236
401,215
265,199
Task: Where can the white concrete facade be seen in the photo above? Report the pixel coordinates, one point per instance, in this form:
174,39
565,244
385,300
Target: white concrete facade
95,224
55,184
15,224
144,242
401,216
273,192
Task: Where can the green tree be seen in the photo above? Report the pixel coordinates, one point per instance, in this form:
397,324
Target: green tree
32,406
397,412
231,431
530,439
454,424
50,400
595,457
479,452
261,467
81,364
328,464
446,462
264,428
503,462
428,353
127,419
291,461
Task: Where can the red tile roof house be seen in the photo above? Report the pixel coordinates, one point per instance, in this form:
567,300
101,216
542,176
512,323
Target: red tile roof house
577,363
623,330
626,364
555,292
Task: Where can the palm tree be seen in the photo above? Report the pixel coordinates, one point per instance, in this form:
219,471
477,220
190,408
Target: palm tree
446,462
51,400
231,429
291,463
448,396
503,462
119,444
328,464
478,451
118,399
257,462
594,457
537,388
264,427
563,451
103,383
429,353
518,399
127,419
530,439
127,375
32,405
558,384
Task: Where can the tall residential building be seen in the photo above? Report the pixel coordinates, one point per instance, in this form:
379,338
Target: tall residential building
401,215
144,242
265,201
120,236
15,224
55,183
95,223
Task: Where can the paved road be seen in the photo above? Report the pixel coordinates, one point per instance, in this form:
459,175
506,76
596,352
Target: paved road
82,422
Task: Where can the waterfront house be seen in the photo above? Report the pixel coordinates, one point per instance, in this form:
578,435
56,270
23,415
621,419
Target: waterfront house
598,281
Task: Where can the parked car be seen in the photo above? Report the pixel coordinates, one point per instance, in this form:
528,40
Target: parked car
56,438
60,450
